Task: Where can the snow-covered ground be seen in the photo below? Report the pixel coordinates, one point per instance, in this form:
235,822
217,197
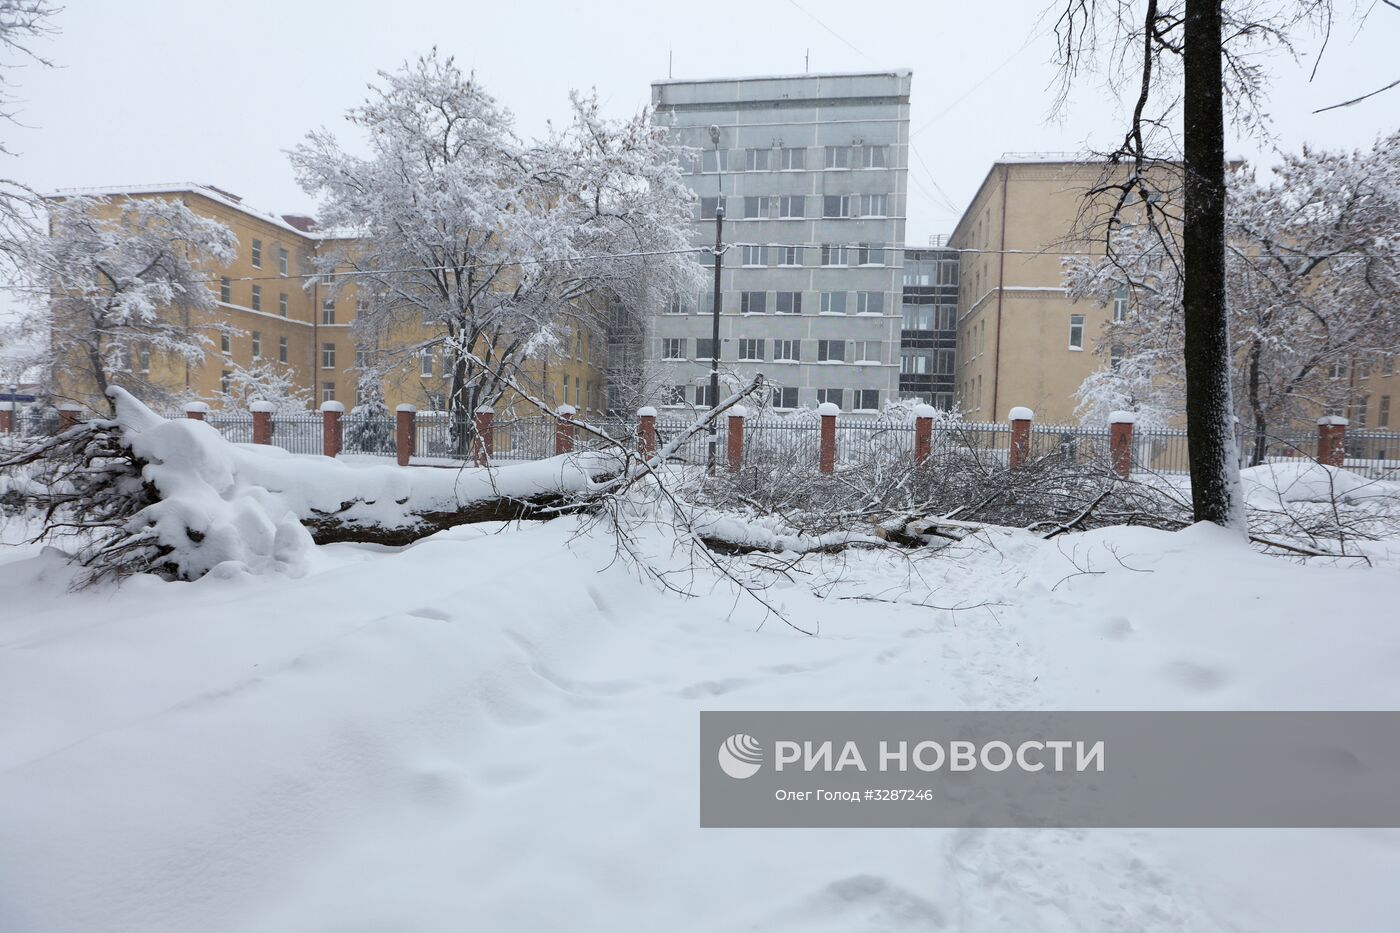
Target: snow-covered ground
496,729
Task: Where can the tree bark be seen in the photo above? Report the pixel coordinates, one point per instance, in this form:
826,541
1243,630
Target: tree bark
1215,482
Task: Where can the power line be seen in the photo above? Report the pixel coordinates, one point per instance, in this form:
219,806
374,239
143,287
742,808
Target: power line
842,38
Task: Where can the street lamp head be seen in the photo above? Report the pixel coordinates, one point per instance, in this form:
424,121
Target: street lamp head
714,133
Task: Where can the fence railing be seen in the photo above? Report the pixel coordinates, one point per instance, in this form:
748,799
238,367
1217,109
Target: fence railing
802,441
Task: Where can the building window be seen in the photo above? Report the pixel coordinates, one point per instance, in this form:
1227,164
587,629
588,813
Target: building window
361,358
792,160
709,207
792,207
1388,364
1359,411
917,317
757,160
789,303
1120,305
425,364
868,351
703,398
1383,413
874,205
328,311
875,157
838,156
833,255
946,318
225,342
1076,332
789,255
753,302
328,391
837,205
257,297
673,395
225,378
870,254
915,364
257,254
673,348
281,261
870,302
789,350
257,344
754,256
328,356
225,290
705,348
677,305
361,306
945,361
833,303
785,397
714,160
143,358
834,396
751,349
831,351
866,400
282,304
281,349
756,208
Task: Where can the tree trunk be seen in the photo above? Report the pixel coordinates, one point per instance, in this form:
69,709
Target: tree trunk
1215,480
1256,408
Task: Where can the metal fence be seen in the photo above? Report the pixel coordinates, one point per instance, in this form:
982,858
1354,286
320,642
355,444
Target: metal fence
792,442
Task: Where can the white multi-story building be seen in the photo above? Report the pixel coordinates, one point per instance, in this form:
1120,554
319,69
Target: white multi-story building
812,172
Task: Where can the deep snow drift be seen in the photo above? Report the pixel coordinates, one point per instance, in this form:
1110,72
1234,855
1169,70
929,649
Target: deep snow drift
496,728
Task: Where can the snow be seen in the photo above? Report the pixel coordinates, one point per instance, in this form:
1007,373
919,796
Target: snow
1334,420
428,738
1020,414
201,408
738,411
925,411
646,411
828,408
337,407
1306,480
1122,417
237,508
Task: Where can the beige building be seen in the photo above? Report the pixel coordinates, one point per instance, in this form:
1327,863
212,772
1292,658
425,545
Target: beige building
1021,341
269,309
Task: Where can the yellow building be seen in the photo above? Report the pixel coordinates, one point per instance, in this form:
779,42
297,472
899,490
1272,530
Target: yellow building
281,314
1021,341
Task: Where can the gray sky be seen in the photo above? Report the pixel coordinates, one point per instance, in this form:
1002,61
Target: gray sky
174,90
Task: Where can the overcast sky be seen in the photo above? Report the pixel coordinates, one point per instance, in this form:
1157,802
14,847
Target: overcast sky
155,91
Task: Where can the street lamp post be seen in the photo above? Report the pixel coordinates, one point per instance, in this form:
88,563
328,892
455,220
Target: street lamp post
712,440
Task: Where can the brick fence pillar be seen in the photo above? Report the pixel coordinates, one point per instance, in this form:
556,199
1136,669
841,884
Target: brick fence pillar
405,432
68,415
564,430
262,422
332,428
1120,441
923,433
1332,440
196,411
646,430
1021,419
826,458
485,435
7,417
735,437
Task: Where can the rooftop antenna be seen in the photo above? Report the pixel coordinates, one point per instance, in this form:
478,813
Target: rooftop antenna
670,62
807,62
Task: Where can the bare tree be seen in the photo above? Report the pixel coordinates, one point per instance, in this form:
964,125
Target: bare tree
22,24
1194,61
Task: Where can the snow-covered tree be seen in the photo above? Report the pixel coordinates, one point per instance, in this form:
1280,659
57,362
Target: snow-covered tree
369,429
1313,280
265,381
22,24
128,287
482,244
